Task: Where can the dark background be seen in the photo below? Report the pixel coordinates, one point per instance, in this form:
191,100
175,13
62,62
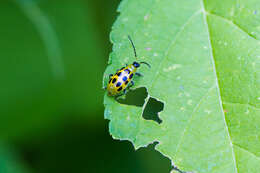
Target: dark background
53,55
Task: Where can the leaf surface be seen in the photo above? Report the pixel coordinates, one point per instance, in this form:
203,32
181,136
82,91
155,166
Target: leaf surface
205,69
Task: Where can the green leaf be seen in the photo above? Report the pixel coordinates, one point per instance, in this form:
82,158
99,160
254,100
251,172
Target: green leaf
46,66
10,162
205,69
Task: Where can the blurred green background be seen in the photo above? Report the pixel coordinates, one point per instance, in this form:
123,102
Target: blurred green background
53,55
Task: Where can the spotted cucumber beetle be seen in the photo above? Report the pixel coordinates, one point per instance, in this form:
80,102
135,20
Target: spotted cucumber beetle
122,79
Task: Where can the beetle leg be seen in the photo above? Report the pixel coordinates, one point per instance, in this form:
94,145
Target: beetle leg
132,83
119,95
138,74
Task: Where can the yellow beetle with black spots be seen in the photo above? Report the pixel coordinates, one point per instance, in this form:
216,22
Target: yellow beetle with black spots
122,79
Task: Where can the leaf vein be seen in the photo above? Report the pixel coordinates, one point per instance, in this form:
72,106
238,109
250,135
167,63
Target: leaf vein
233,23
173,42
217,84
248,104
246,150
191,117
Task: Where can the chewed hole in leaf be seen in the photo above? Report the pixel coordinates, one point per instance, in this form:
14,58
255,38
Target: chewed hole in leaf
134,97
156,162
151,110
137,97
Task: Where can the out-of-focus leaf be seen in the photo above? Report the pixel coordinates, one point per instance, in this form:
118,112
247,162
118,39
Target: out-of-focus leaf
51,65
83,53
10,162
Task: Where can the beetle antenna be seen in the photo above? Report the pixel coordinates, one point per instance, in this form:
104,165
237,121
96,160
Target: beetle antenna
132,45
146,64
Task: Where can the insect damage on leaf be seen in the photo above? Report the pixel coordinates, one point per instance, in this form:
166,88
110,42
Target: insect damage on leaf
134,97
151,107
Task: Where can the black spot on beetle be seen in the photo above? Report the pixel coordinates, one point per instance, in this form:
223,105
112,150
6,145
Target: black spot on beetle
126,82
118,84
127,70
119,89
109,80
122,68
131,75
118,74
114,80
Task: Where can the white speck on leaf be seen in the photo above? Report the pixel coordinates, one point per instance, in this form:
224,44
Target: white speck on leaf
241,7
146,17
148,48
232,11
207,111
172,67
125,19
187,94
155,54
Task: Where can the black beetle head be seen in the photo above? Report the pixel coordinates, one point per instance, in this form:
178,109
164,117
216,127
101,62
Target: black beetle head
136,64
